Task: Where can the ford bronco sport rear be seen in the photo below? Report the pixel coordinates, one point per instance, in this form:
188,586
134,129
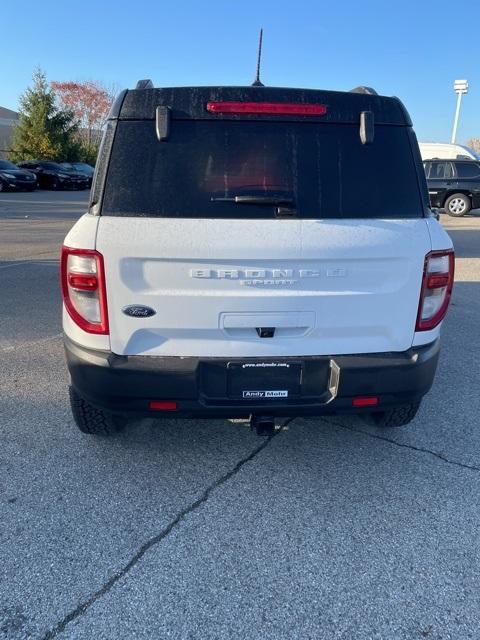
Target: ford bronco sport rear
243,254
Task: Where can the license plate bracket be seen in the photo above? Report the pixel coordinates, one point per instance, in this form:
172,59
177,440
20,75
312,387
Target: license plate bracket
264,381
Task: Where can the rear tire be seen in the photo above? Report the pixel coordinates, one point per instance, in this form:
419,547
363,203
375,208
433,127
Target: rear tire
91,420
55,184
395,416
457,205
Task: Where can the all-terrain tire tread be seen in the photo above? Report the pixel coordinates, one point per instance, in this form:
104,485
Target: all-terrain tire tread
397,416
88,418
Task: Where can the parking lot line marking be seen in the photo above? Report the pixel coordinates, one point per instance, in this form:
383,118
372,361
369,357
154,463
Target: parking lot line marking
29,261
6,345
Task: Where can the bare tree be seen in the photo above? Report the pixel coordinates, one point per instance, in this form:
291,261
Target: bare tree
474,143
90,101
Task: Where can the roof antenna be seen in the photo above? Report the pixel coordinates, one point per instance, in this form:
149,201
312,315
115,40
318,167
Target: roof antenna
257,82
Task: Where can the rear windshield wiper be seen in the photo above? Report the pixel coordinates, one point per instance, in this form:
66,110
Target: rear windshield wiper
275,200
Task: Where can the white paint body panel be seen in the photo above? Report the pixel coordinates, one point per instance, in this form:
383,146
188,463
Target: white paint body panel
329,286
83,234
81,337
439,238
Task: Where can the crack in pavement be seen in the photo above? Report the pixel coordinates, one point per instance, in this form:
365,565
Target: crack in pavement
107,586
412,447
86,604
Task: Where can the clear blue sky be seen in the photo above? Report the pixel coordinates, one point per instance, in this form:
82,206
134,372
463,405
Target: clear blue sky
412,48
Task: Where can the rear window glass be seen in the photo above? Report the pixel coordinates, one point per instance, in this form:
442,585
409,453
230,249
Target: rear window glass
440,170
53,166
317,170
467,170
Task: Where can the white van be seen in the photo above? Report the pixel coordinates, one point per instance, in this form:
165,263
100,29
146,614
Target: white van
446,151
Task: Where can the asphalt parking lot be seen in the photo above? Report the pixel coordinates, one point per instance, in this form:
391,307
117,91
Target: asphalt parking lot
330,529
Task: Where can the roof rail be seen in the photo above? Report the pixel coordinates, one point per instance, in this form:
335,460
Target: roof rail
361,89
144,84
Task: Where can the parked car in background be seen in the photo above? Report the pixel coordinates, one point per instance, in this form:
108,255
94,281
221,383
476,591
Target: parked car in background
51,175
16,179
446,151
81,167
453,185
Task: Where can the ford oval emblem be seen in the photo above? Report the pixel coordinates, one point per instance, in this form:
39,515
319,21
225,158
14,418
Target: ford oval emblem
138,311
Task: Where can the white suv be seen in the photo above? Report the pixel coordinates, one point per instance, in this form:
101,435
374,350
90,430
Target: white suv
254,251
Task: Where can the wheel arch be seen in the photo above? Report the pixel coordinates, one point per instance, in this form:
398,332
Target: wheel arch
451,192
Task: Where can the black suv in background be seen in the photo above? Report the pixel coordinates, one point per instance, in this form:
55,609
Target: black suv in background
453,185
51,175
15,179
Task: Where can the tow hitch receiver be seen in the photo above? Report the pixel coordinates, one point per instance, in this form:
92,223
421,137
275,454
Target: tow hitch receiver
264,425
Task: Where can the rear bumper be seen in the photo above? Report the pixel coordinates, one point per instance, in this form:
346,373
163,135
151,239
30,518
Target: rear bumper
200,385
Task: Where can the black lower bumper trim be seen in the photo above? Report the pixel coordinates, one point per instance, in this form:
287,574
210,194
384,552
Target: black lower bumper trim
200,386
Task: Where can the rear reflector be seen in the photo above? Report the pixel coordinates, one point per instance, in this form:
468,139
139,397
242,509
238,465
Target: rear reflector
162,405
82,282
275,108
365,401
437,280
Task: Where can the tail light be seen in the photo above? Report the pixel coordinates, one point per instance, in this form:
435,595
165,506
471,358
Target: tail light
436,289
83,289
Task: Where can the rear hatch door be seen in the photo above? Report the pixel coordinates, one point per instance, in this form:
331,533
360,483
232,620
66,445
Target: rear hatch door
231,226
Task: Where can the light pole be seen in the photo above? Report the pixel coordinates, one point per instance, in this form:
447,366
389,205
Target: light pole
460,87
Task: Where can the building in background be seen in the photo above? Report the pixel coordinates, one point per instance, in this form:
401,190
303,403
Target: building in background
8,120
